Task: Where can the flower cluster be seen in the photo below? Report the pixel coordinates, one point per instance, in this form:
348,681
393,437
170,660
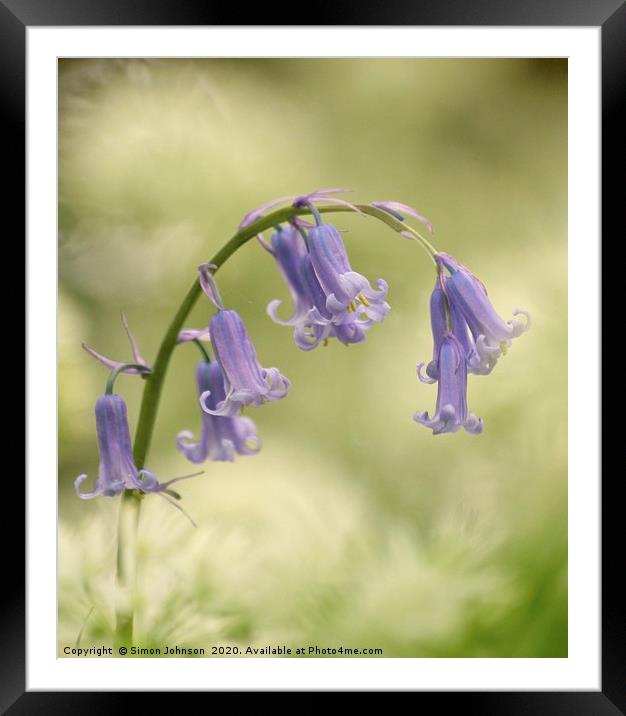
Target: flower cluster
232,380
468,337
330,300
227,384
221,437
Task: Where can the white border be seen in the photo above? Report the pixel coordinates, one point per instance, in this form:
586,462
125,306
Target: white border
581,670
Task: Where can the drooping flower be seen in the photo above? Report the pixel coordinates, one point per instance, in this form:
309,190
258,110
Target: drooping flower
442,313
288,249
245,381
451,412
139,365
347,292
117,470
487,334
321,324
311,321
221,437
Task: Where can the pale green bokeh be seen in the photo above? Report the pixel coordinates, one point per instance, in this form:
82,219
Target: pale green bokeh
354,526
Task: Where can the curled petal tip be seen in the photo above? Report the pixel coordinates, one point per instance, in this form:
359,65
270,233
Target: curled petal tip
521,326
272,312
473,425
84,495
203,404
424,378
184,435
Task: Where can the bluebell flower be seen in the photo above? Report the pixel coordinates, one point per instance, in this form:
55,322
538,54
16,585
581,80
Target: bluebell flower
321,324
347,292
311,321
288,249
442,313
451,412
117,471
486,335
245,381
221,437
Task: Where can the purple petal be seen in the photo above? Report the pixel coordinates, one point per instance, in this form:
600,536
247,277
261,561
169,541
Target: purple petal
451,408
207,282
255,214
137,357
396,208
288,249
422,377
334,200
322,192
113,364
193,334
85,495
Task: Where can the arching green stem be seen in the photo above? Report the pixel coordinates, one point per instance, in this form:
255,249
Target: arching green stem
129,514
154,382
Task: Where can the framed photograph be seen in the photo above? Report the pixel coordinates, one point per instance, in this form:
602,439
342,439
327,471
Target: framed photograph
313,355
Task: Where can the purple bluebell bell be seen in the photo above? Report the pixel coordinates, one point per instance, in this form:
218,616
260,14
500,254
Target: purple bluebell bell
484,334
311,321
321,324
347,292
451,412
221,437
245,382
117,470
288,248
443,313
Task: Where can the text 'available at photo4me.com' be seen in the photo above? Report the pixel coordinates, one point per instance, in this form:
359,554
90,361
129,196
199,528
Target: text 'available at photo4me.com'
308,650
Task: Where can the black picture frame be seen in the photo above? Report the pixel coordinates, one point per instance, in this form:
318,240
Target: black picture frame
17,15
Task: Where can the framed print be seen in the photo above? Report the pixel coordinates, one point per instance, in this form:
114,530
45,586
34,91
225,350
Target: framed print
308,311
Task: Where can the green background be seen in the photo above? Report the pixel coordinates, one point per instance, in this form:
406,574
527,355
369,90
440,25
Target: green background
354,526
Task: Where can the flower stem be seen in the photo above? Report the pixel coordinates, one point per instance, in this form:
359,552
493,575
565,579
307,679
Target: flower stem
203,350
142,369
126,567
154,381
131,502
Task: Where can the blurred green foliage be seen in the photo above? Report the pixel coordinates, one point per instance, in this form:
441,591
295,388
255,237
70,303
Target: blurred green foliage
354,526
